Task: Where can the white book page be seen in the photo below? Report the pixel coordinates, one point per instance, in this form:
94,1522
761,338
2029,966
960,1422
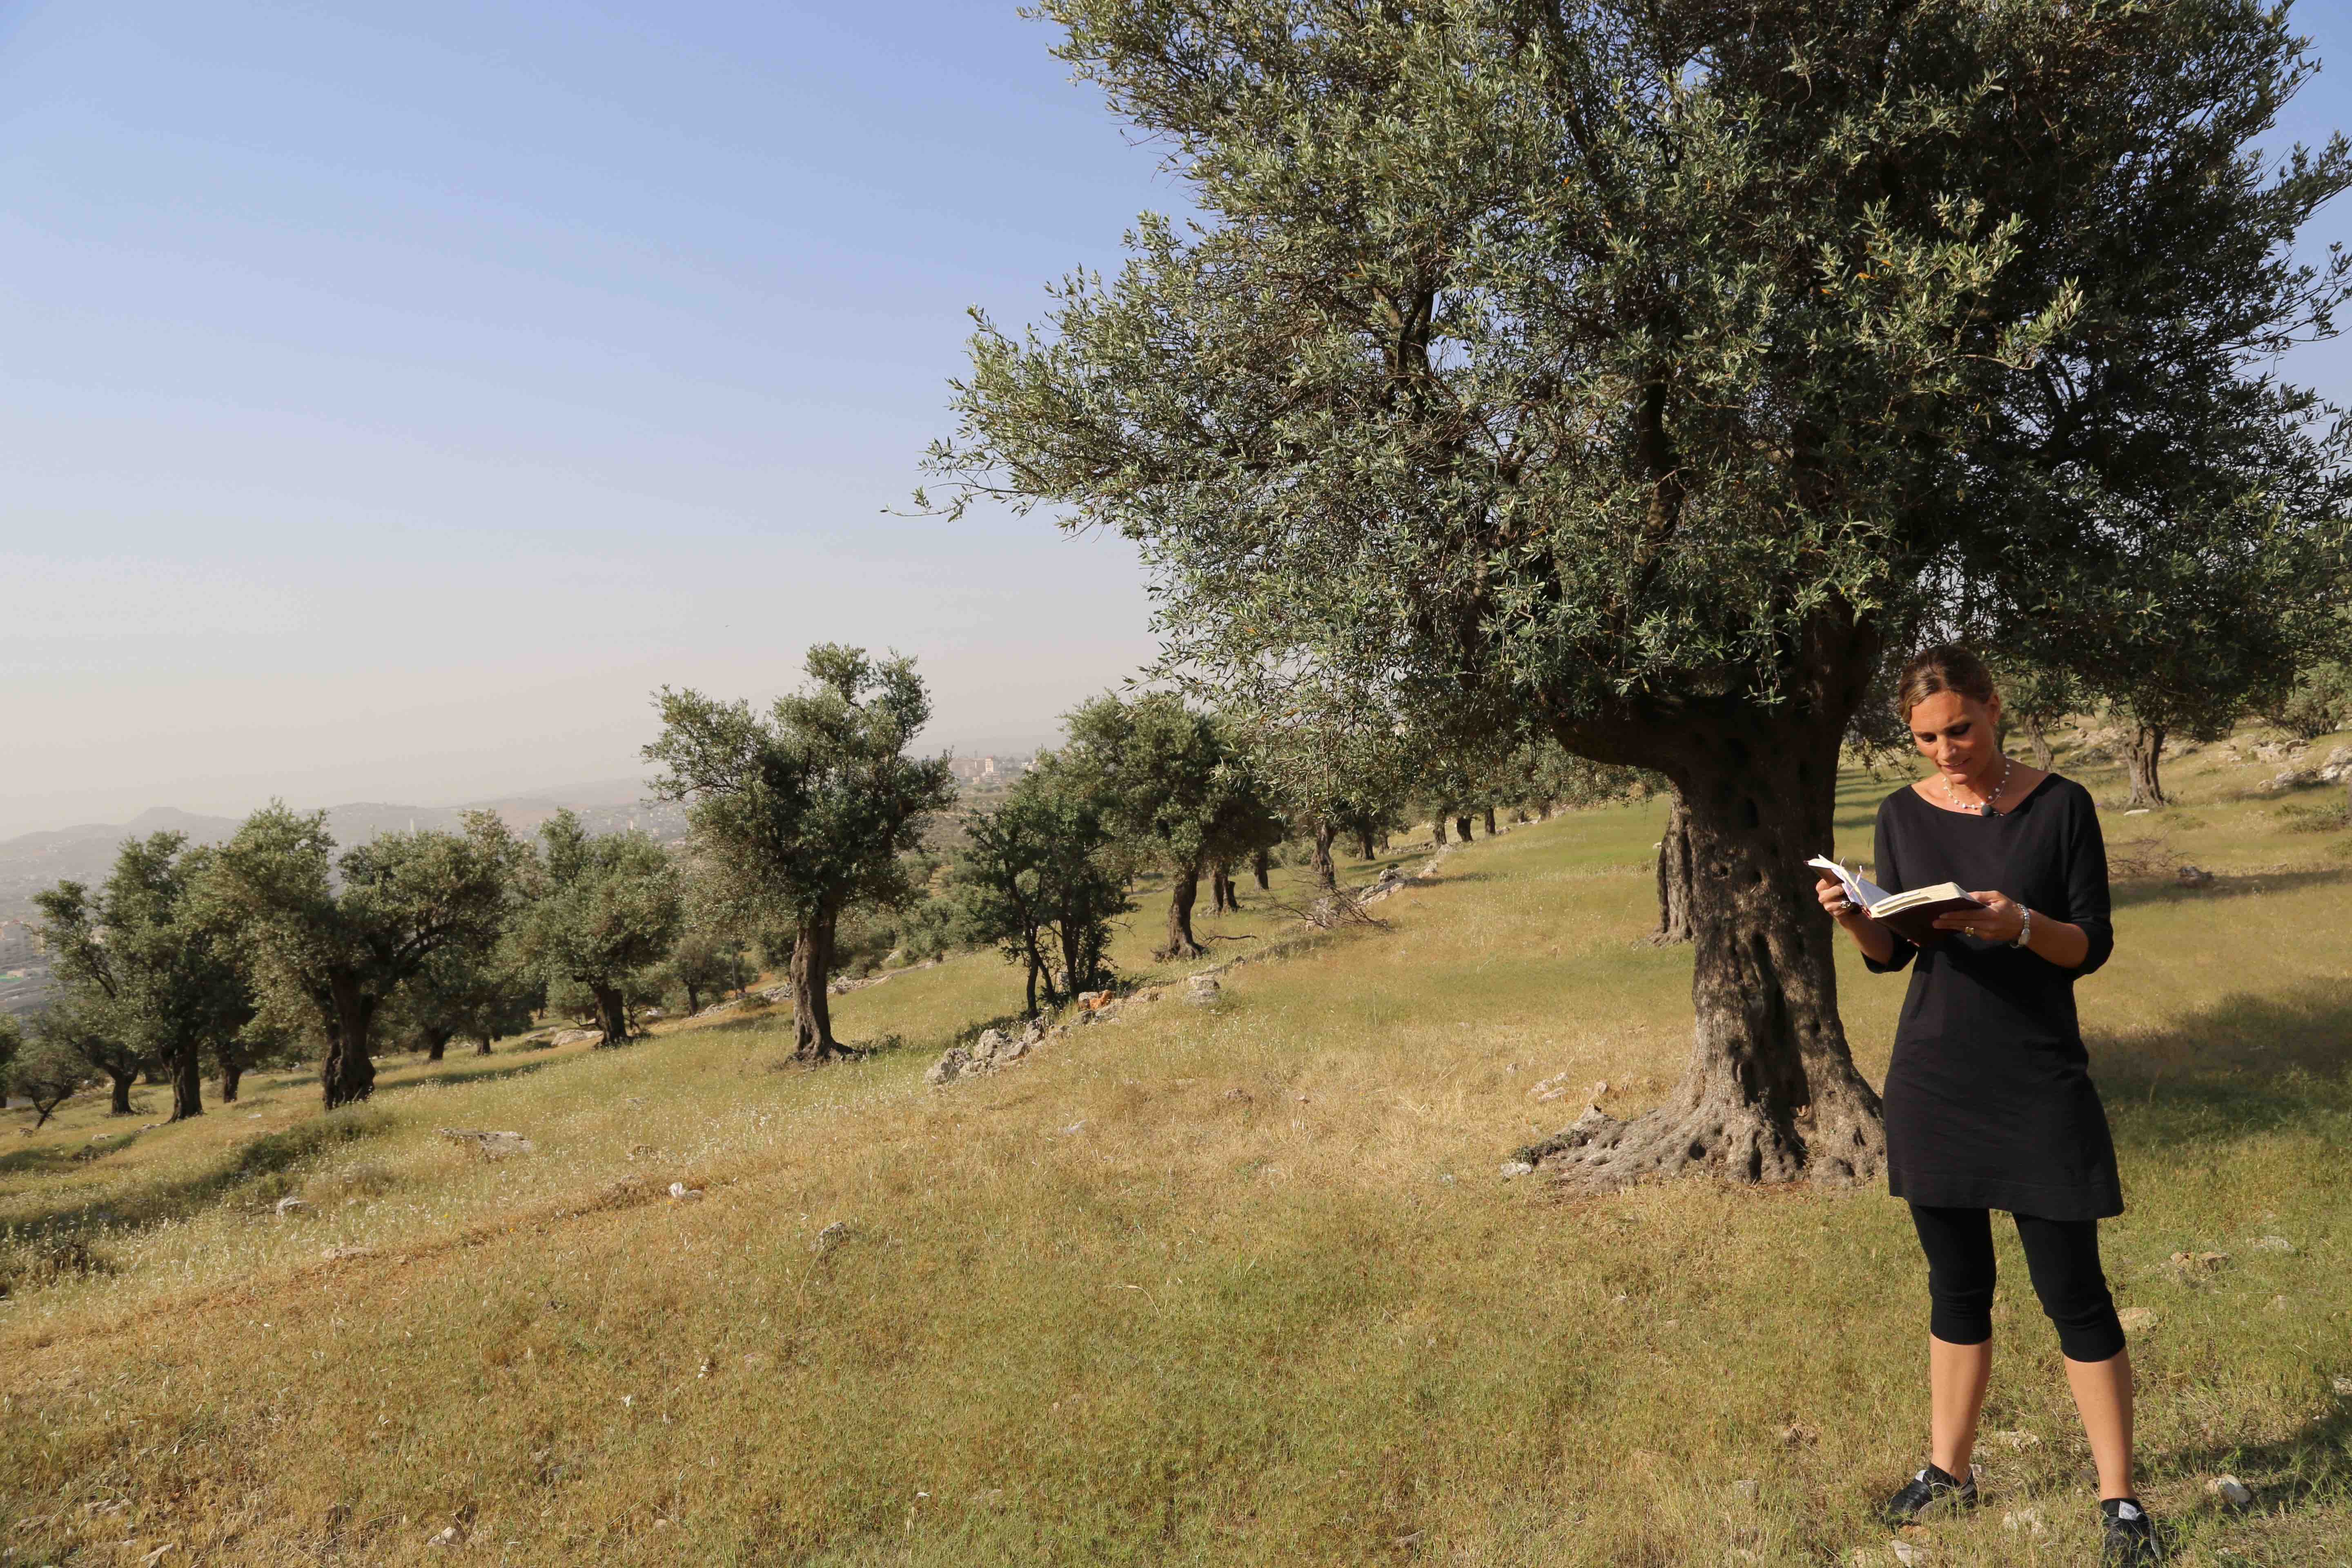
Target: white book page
1860,890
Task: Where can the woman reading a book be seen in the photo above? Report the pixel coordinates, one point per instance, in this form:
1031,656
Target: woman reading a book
1989,1103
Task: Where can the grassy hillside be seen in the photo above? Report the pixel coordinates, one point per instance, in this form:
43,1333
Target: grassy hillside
1236,1285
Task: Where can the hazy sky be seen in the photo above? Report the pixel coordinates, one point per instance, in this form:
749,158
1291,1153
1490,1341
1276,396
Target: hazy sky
392,397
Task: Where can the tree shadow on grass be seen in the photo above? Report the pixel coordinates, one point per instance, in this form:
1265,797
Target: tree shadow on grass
469,1076
248,1169
2247,1065
2140,893
2314,1464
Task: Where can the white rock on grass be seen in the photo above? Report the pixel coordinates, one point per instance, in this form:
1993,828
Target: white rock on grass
2231,1490
2019,1438
1905,1552
2137,1320
2027,1520
1517,1168
2274,1244
679,1192
2343,1386
289,1206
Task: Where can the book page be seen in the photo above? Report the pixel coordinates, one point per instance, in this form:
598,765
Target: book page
1859,890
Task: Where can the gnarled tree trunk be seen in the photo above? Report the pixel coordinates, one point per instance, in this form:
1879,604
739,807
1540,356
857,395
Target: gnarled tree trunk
1327,874
482,1046
348,1074
1771,1093
187,1083
2037,734
1437,832
437,1043
813,1038
232,1073
1363,843
2146,754
1262,868
1184,887
612,1015
1673,879
119,1104
1490,822
1462,827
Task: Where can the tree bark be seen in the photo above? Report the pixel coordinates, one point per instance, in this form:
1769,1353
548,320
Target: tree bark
1771,1093
436,1044
2037,734
1673,879
123,1081
232,1073
2147,755
1326,875
187,1084
1490,822
482,1046
1183,888
1363,843
612,1015
1221,891
348,1074
693,998
813,1038
1262,868
1462,827
1437,832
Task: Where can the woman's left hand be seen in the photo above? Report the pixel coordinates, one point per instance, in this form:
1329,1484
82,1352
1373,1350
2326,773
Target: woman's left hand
2000,920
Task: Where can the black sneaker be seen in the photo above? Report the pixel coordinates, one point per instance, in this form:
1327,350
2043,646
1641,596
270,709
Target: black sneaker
2131,1535
1931,1494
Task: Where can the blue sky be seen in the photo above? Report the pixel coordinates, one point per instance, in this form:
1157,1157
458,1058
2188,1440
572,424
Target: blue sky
392,397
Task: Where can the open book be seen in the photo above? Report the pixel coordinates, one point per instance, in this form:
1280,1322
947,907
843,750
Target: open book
1910,915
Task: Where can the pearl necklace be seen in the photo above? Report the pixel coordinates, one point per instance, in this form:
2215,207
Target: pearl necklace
1983,807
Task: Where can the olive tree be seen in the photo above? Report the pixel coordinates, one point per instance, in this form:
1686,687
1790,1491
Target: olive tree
815,804
338,935
605,908
152,977
1176,792
1041,876
1648,368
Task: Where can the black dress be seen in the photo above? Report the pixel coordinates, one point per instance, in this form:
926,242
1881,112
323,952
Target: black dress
1988,1098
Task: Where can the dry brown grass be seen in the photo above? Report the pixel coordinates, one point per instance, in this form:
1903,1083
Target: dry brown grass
1236,1286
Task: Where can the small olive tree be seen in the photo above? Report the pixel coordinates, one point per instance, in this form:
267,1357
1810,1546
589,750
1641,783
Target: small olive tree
1042,878
1175,791
814,805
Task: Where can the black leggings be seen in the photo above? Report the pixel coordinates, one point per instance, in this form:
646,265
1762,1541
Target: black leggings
2061,1254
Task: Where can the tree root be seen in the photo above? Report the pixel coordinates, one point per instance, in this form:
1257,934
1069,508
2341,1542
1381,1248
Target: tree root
1708,1136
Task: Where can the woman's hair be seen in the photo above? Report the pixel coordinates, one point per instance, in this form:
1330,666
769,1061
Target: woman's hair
1947,667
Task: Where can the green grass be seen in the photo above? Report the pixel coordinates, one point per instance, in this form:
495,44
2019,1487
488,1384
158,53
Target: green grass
1238,1285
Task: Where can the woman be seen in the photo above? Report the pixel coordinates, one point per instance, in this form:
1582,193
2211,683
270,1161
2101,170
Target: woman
1988,1098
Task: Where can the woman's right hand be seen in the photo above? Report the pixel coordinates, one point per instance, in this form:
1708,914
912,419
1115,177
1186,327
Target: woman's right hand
1832,893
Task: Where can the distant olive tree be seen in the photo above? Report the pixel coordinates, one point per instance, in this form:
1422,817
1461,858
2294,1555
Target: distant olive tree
46,1072
815,804
603,910
1175,790
1041,876
339,935
144,965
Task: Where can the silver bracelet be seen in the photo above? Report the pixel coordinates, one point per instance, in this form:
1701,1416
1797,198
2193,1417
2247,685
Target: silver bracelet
2024,931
